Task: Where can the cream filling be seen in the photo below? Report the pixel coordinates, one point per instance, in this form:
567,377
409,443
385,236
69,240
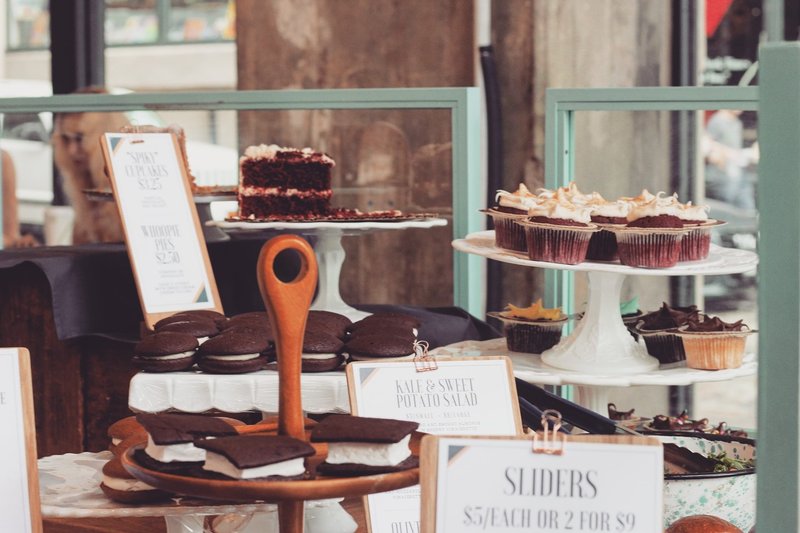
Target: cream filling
127,485
270,151
251,190
317,356
219,463
182,355
373,357
243,357
369,453
116,442
169,453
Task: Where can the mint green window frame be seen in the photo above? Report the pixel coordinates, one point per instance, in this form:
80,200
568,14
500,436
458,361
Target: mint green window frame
559,148
777,100
465,117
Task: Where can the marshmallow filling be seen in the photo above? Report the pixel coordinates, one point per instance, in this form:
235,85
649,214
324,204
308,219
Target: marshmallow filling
243,357
369,453
219,463
127,485
185,452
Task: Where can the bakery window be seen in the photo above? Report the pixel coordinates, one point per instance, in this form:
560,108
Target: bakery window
130,22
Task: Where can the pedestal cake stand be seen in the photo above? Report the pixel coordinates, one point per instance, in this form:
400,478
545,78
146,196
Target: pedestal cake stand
288,303
601,344
328,249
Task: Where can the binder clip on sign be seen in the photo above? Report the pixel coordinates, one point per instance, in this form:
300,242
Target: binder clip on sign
423,362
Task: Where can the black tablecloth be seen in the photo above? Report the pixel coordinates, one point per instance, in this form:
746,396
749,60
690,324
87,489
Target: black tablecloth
93,291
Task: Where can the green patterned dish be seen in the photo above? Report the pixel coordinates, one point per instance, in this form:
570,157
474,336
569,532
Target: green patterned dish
728,495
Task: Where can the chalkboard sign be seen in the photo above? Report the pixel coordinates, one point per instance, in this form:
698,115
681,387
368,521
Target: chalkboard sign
19,482
462,396
592,483
164,238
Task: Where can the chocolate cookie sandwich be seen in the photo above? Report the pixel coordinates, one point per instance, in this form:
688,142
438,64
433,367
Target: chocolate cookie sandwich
380,345
121,430
165,352
359,446
200,328
397,319
235,351
184,316
171,439
322,352
119,485
328,322
257,457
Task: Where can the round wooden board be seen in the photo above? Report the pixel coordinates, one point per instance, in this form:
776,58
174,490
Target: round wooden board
271,491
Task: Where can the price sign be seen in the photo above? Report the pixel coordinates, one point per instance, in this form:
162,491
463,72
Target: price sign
597,484
19,484
465,396
162,231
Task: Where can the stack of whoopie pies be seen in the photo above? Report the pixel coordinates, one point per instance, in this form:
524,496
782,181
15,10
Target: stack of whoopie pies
381,336
245,343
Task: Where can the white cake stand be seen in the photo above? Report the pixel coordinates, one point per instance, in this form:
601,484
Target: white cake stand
601,344
329,251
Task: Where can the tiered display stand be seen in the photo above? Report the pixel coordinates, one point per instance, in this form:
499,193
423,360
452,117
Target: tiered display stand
600,352
287,303
328,249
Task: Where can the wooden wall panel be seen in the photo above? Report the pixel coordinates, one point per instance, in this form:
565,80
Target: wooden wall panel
385,158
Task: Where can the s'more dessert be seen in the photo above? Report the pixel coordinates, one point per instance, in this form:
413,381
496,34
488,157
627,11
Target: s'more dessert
256,457
359,446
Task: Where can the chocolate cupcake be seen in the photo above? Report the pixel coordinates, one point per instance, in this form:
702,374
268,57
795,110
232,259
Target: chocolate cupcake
531,329
510,208
659,332
606,215
712,344
652,237
558,231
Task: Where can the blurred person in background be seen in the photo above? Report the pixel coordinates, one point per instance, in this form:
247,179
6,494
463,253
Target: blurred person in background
79,159
729,165
11,233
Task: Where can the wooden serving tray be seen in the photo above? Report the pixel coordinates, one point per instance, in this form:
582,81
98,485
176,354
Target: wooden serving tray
287,302
318,488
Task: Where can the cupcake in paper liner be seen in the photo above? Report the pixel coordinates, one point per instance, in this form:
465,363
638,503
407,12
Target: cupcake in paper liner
558,231
606,215
531,329
659,331
696,244
652,237
712,344
511,207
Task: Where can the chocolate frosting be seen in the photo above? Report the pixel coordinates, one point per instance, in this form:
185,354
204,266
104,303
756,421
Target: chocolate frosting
668,317
714,323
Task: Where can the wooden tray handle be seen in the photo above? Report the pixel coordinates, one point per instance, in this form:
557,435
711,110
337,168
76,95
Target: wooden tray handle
287,303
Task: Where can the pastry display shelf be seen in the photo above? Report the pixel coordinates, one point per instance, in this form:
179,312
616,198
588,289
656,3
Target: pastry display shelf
592,389
69,487
287,303
601,344
328,249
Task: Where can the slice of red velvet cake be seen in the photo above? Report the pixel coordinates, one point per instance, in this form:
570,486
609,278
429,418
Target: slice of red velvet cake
284,182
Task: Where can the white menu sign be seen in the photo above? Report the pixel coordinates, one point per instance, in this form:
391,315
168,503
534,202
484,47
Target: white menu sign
163,234
19,484
502,485
471,396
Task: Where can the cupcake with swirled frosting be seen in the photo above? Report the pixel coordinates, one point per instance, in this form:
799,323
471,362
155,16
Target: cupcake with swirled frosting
558,231
652,236
696,244
603,244
511,207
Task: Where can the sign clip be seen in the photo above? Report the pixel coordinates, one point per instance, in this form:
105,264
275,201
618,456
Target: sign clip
423,362
551,441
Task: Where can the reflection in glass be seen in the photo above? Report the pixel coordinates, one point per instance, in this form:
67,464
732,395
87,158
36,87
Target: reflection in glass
28,24
131,22
201,20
